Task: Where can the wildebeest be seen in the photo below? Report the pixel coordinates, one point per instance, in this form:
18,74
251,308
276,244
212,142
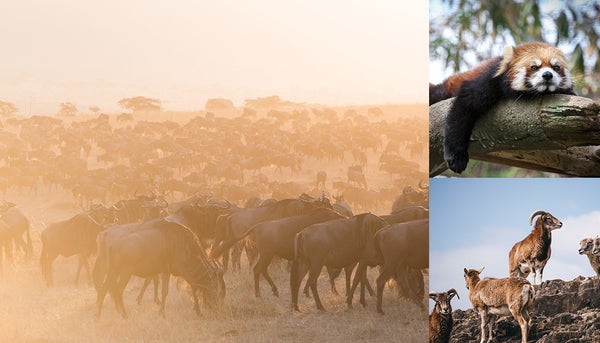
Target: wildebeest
74,236
276,238
412,197
401,247
142,207
356,176
407,214
13,224
240,221
321,179
105,239
341,206
335,244
160,247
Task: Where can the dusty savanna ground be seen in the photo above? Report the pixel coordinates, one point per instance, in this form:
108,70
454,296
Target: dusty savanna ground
31,312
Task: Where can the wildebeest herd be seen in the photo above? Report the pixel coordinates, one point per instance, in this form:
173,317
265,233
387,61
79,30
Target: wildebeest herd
306,231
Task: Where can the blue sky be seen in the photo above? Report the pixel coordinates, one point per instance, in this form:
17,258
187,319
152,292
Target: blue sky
475,222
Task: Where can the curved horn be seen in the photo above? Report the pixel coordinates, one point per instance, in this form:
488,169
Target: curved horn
452,292
538,212
424,187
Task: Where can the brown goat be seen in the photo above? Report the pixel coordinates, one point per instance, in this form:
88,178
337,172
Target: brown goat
500,297
440,320
533,252
586,247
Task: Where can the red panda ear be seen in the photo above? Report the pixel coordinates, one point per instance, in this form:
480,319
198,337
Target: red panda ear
507,57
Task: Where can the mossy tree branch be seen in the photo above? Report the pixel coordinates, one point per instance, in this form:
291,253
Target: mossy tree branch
554,133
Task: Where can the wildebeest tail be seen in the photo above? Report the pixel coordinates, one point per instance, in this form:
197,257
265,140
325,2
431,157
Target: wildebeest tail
29,244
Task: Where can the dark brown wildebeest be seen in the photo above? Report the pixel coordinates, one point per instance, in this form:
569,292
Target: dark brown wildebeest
105,239
13,224
276,238
240,221
336,244
75,236
402,247
161,247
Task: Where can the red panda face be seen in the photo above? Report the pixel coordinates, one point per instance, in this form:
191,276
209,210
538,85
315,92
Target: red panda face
537,67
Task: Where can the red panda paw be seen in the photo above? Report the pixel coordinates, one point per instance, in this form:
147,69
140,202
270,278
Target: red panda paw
456,160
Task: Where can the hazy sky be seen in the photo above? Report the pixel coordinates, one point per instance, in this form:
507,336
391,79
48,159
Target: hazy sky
183,52
475,223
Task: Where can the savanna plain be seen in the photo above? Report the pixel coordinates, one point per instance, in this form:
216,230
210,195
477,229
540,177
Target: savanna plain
317,138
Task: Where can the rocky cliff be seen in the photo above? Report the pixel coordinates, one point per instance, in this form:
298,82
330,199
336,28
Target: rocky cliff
563,311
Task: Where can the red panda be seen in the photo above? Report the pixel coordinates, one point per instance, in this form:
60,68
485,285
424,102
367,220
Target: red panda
528,70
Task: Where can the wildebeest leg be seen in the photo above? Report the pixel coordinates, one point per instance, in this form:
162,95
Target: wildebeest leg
359,276
313,275
333,274
118,294
101,289
226,260
47,268
83,262
143,290
385,274
299,270
367,284
165,289
195,291
236,256
261,267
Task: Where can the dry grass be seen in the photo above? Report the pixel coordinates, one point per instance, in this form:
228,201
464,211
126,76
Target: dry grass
30,312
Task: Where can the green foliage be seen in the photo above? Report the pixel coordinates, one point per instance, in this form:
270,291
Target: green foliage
470,31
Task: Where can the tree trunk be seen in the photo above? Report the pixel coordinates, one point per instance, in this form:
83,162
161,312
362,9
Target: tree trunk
554,133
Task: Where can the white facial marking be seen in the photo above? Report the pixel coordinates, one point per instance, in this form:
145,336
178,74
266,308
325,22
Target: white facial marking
518,82
554,61
537,62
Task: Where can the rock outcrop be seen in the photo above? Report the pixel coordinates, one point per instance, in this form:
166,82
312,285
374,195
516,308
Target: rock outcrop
563,311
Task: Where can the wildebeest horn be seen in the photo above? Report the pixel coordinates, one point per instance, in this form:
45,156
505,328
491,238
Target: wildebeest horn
95,206
121,204
538,212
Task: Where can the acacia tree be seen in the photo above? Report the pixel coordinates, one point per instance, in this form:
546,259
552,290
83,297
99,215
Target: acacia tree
94,109
140,103
7,108
67,109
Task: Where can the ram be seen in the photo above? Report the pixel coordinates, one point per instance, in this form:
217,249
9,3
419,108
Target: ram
533,252
500,297
440,320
